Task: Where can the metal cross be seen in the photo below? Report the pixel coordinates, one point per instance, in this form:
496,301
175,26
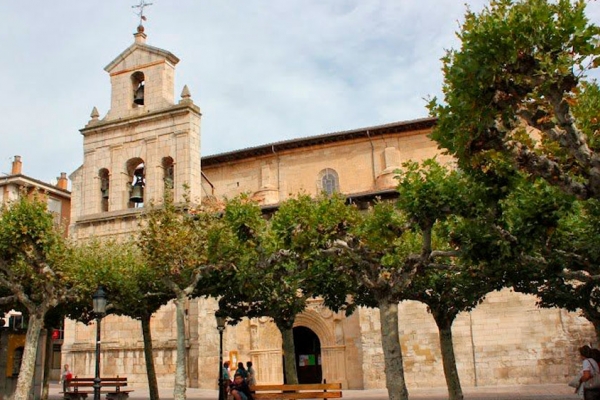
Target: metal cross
141,6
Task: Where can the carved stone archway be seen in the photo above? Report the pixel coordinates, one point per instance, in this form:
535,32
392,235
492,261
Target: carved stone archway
328,327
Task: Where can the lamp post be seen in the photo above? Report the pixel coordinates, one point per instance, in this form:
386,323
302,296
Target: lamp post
221,327
99,300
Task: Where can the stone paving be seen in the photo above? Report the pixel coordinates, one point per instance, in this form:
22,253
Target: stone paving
528,392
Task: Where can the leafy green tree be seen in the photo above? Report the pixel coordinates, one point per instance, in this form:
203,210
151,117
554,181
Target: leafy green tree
180,244
448,292
277,262
517,99
510,89
35,267
134,290
413,250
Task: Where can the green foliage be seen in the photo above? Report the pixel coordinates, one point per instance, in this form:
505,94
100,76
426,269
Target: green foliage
180,244
133,289
510,88
34,255
517,108
277,264
586,109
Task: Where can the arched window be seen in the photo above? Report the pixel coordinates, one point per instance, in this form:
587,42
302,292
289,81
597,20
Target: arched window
138,82
103,175
137,182
328,181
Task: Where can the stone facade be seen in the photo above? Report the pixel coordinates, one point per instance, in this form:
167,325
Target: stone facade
505,340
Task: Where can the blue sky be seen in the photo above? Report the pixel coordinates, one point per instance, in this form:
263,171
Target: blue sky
261,71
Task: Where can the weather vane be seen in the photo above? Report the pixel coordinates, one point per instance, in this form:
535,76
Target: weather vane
141,6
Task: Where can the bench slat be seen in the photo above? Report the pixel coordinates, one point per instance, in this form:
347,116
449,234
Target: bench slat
92,392
298,395
302,386
300,391
117,379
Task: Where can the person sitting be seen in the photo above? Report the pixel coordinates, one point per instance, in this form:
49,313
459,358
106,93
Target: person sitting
239,388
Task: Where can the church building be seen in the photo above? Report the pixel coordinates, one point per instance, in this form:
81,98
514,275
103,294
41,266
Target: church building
150,141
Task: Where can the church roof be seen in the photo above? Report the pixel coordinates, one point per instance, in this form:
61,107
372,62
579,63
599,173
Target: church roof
372,131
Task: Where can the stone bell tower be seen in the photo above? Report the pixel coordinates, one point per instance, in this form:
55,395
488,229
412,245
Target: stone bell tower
145,144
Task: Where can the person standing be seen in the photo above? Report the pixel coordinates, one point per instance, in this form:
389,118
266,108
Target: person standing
589,369
241,371
251,374
66,377
225,372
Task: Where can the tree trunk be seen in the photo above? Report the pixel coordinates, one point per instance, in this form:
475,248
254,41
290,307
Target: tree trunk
392,352
47,365
180,375
449,361
149,357
26,373
597,330
289,352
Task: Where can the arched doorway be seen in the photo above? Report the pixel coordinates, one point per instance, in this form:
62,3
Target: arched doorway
308,355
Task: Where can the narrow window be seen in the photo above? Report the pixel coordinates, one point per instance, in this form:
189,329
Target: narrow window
55,208
104,189
138,83
168,175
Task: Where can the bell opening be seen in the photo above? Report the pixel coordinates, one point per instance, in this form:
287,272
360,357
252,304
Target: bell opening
138,82
139,95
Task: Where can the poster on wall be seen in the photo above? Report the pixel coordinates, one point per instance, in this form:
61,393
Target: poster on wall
303,360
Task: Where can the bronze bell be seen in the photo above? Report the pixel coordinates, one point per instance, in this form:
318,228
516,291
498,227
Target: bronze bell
138,98
137,192
105,193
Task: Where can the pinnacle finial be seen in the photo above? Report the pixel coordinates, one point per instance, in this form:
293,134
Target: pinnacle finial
185,93
95,114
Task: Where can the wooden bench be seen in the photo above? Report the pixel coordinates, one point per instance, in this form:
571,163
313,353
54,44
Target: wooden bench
79,388
301,391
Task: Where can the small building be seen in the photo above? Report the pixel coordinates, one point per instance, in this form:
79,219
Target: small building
57,196
13,327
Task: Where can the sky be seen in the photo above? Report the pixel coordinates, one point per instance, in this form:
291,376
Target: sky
261,71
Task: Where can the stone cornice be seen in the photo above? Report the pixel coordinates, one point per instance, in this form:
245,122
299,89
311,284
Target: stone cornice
152,116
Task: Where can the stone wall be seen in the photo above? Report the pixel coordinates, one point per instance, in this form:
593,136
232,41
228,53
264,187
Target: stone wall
506,340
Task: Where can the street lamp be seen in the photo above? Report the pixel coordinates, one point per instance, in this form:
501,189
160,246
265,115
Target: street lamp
221,327
99,299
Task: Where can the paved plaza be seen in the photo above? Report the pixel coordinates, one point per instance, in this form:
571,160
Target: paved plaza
529,392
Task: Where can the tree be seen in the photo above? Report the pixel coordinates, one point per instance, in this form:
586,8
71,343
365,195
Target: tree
448,292
180,245
35,267
277,262
414,250
518,107
509,93
133,289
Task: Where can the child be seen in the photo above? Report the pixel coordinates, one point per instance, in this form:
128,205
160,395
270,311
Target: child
239,388
66,376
